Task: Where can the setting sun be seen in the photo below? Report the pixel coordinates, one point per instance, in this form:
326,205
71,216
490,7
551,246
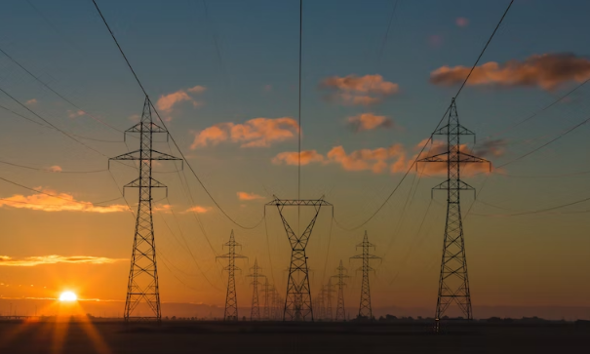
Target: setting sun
68,296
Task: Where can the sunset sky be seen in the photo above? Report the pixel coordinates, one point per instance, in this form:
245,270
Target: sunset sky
225,81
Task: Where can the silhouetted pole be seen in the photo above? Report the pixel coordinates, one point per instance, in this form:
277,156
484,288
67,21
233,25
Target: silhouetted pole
453,281
255,309
340,309
365,309
231,297
143,275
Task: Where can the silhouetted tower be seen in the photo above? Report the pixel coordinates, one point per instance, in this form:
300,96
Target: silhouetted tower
298,298
143,275
320,305
365,309
231,297
328,290
266,308
255,309
453,282
340,310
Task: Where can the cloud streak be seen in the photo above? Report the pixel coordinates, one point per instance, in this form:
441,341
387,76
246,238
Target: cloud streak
55,259
292,158
369,121
257,132
248,196
60,202
547,71
359,90
167,102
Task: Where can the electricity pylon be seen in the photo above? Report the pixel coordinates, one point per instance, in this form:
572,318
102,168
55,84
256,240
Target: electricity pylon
453,282
328,290
298,297
365,310
231,297
255,309
320,313
143,275
340,311
266,308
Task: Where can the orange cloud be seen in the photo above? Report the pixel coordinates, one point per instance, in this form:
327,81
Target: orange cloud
359,90
64,202
167,102
292,158
54,259
55,168
462,22
369,121
198,209
257,132
365,159
248,196
74,114
547,71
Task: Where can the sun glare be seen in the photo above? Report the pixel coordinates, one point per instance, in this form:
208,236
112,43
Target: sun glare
68,296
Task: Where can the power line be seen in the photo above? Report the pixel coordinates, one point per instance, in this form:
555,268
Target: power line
517,124
165,127
53,195
48,170
561,135
57,93
429,140
385,37
49,123
537,211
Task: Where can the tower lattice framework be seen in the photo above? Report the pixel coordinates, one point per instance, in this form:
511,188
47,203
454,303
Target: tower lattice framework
298,304
328,291
341,276
143,275
365,309
231,297
453,281
255,275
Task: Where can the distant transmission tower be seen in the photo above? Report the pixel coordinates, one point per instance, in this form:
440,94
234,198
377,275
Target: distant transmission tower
266,290
298,299
231,298
255,309
340,310
365,310
453,282
328,290
143,275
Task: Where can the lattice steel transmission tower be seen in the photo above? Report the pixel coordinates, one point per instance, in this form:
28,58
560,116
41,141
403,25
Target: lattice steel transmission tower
453,282
340,310
298,297
266,309
143,275
231,297
328,290
255,309
365,310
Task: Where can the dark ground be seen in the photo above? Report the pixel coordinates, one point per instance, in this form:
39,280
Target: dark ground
210,337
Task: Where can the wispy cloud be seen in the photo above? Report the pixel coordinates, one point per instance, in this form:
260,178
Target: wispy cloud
31,102
198,209
369,121
359,90
167,102
257,132
292,157
63,202
248,196
55,259
461,21
547,71
375,160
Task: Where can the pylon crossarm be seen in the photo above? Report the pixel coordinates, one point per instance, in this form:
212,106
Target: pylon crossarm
442,157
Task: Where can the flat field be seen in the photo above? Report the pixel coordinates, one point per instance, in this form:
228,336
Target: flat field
264,337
